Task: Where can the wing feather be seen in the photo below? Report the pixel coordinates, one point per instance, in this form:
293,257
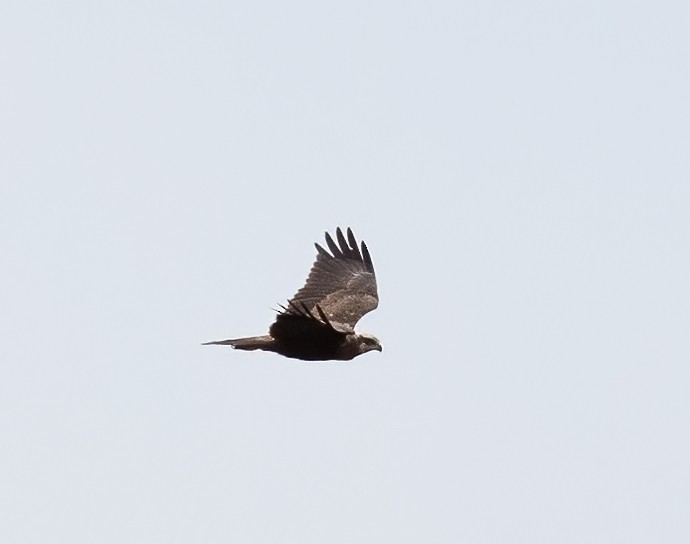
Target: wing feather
333,247
353,244
367,258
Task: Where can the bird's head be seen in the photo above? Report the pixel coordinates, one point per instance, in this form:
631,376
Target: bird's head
367,342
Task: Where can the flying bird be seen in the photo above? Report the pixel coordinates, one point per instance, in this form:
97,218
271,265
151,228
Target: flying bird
318,322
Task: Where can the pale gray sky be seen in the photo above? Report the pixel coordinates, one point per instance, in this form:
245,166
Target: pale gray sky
521,174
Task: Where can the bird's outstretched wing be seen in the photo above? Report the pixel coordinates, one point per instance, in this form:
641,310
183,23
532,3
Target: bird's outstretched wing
340,289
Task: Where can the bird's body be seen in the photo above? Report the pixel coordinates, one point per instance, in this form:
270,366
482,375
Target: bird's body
318,322
341,348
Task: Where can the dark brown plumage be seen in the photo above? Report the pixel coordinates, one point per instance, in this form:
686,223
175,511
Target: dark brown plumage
318,322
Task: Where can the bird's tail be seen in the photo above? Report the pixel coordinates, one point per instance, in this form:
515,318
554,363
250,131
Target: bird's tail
249,344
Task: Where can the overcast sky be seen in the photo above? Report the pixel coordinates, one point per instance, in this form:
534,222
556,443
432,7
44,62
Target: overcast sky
521,174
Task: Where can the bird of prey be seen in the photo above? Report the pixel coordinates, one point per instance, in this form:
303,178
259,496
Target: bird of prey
318,322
